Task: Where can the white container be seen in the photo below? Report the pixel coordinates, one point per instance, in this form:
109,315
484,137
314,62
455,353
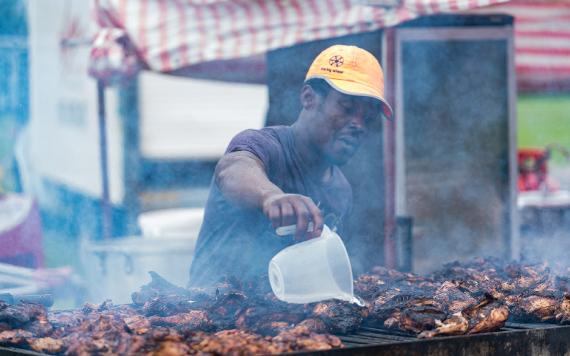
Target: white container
116,268
313,270
171,223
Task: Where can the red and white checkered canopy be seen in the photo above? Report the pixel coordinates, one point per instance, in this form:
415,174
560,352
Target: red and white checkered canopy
542,42
168,35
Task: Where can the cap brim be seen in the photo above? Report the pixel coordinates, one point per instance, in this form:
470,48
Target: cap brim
352,88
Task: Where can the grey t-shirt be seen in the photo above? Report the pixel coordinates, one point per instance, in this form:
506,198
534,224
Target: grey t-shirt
240,242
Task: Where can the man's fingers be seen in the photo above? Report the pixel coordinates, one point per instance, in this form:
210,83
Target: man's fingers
316,217
274,215
303,216
299,210
287,214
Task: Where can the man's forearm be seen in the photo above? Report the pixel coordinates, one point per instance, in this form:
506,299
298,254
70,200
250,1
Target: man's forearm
241,178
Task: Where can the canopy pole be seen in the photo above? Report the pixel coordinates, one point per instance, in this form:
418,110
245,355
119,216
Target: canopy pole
105,200
389,130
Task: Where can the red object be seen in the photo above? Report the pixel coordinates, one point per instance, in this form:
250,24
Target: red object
533,169
21,242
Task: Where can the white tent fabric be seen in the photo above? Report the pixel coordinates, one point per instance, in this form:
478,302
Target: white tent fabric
166,35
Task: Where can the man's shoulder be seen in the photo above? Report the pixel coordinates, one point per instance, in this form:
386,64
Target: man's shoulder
266,143
267,138
271,132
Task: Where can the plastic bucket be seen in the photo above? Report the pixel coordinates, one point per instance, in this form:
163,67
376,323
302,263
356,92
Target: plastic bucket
114,269
313,270
171,223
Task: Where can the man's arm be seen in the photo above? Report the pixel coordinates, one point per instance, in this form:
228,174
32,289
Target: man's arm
242,179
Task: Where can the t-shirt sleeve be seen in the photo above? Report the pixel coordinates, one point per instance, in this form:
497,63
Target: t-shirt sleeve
261,143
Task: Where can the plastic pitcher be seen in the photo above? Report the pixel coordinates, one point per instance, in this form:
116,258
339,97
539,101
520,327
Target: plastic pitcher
312,271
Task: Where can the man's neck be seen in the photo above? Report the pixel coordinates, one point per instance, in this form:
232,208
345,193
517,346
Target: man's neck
311,158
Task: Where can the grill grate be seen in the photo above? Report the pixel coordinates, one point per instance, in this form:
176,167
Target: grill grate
372,336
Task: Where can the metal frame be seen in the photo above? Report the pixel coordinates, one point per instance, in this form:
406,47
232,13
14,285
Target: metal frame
103,159
454,33
389,139
513,339
513,166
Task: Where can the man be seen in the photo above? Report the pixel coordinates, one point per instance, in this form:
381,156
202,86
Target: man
288,175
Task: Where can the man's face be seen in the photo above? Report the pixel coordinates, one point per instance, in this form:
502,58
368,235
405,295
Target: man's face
340,123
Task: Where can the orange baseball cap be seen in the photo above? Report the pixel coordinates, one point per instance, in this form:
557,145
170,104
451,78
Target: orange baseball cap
351,70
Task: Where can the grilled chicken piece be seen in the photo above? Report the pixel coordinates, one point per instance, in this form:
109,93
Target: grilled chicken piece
15,337
166,305
529,277
452,298
389,309
524,283
66,320
137,324
191,321
368,286
535,271
390,274
454,325
269,319
392,277
235,342
393,321
474,281
312,325
339,316
300,339
563,315
225,309
489,319
20,314
535,309
92,307
420,317
46,345
392,300
40,327
162,334
486,316
171,348
105,334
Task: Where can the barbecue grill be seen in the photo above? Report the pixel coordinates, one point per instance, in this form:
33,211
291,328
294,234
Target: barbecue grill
513,339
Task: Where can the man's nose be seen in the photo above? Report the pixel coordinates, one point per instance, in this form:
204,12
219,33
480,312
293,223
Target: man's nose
357,120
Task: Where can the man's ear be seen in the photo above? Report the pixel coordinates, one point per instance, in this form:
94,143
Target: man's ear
309,98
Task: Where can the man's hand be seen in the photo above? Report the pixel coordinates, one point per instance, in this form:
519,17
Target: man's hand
288,209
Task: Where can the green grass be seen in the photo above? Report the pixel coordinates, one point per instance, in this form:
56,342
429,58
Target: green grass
543,120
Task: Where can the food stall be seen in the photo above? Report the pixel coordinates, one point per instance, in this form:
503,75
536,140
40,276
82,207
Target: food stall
266,52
